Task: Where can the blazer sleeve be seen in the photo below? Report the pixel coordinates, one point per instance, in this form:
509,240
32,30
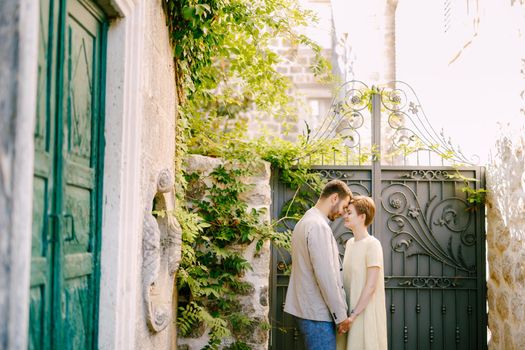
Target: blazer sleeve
319,241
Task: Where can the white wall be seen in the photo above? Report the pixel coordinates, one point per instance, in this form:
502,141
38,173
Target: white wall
121,212
157,153
140,142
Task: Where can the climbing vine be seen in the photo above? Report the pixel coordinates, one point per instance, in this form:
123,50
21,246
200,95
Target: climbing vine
216,223
225,68
225,64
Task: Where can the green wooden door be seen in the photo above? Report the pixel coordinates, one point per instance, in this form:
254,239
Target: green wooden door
68,173
45,223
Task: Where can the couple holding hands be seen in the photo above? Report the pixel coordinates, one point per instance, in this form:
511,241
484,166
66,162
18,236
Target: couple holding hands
338,306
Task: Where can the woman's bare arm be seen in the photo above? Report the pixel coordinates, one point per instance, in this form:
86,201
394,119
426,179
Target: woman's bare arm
372,273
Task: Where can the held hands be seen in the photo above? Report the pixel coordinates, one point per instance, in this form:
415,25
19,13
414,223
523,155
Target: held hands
344,326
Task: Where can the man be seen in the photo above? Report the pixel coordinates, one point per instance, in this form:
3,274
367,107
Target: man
315,293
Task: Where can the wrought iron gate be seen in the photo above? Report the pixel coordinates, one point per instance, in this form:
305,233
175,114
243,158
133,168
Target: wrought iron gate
433,239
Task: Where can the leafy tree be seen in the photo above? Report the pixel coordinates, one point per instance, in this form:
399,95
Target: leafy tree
226,66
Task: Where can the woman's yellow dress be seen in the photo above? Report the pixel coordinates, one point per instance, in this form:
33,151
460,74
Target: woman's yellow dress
368,332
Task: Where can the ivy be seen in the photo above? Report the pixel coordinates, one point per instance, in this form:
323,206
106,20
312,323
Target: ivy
225,64
475,197
216,225
225,69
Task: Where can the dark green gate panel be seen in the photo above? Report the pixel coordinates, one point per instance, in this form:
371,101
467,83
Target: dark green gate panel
68,172
434,251
285,335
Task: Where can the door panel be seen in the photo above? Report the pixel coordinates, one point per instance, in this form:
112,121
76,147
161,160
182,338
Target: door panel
67,189
44,222
433,255
83,42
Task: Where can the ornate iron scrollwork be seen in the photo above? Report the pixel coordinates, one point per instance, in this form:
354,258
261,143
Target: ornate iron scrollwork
347,115
281,266
427,175
407,124
431,242
412,129
331,174
429,282
413,231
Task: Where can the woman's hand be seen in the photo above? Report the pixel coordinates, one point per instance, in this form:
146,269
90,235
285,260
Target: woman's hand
344,326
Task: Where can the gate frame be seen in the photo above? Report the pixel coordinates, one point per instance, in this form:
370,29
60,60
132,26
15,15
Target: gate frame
375,169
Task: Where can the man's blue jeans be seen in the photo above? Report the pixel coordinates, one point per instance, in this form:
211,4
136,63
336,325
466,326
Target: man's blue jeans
318,335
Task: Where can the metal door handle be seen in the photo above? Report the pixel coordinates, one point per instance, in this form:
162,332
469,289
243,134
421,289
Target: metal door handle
63,305
70,236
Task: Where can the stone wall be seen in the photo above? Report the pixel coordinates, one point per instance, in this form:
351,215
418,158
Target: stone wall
256,303
160,249
506,244
18,73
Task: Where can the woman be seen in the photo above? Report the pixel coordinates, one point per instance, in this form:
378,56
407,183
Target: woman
363,279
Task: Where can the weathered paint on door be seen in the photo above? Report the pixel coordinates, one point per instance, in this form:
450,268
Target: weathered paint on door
67,180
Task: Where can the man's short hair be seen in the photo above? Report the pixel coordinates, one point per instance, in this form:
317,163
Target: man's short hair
364,205
336,186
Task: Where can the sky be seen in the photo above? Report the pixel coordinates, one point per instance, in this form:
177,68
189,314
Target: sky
466,71
464,58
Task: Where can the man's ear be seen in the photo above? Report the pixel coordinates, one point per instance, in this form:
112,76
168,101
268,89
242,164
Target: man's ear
334,198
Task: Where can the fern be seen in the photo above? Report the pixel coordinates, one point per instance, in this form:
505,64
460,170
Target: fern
188,317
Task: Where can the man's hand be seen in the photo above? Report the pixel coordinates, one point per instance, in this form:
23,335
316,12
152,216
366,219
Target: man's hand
344,326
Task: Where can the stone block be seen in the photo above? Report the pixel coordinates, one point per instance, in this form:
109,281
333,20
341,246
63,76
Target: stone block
202,164
502,305
263,296
259,194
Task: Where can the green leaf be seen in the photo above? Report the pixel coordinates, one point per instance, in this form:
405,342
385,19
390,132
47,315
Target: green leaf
187,13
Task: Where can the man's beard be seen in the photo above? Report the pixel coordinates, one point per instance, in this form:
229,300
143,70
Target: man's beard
334,213
333,216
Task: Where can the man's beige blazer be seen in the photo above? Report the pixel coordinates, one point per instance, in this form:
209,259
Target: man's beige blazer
315,291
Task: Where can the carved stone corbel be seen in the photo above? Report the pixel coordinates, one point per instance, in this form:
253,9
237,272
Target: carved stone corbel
161,254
